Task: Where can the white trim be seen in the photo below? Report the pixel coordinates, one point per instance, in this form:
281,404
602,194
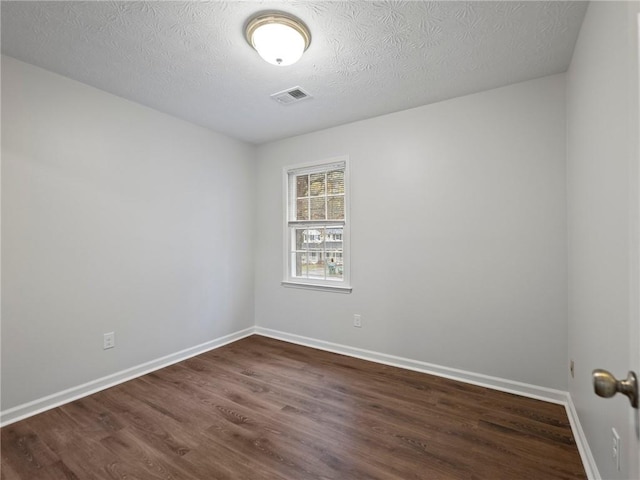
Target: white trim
317,167
481,380
316,223
317,286
29,409
40,405
289,280
588,461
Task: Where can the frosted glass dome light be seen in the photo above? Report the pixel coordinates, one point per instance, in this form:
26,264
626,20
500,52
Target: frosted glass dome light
279,39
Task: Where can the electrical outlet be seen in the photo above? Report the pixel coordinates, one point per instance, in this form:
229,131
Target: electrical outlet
571,368
357,320
109,340
615,453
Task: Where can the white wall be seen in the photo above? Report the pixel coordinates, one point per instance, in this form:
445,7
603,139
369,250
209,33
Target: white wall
602,106
458,235
115,218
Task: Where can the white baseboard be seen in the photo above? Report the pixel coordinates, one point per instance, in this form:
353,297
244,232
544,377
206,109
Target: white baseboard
588,461
495,383
532,391
524,389
34,407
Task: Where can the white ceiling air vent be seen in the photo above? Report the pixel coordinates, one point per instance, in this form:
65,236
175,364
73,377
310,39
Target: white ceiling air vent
290,95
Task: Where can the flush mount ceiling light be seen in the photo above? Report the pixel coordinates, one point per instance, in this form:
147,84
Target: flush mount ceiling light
279,38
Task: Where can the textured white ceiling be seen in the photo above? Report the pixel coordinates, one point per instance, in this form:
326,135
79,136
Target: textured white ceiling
366,58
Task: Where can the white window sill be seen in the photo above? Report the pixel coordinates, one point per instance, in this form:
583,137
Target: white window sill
314,286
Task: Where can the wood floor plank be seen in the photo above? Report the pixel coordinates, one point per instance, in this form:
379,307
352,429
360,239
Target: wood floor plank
265,409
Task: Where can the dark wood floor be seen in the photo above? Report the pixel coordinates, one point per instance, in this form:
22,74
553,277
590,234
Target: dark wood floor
264,409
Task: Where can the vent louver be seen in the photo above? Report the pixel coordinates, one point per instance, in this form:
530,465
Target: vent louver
290,95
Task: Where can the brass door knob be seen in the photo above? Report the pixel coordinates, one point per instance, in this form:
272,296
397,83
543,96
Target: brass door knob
606,385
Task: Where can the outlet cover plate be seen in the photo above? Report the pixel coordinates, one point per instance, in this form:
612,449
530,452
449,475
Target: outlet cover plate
615,453
109,340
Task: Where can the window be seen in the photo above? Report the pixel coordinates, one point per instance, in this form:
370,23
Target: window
316,226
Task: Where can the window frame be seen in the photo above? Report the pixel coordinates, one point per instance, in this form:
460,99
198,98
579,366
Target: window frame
289,280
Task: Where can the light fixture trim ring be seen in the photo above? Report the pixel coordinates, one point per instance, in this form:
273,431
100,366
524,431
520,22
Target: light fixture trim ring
281,18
